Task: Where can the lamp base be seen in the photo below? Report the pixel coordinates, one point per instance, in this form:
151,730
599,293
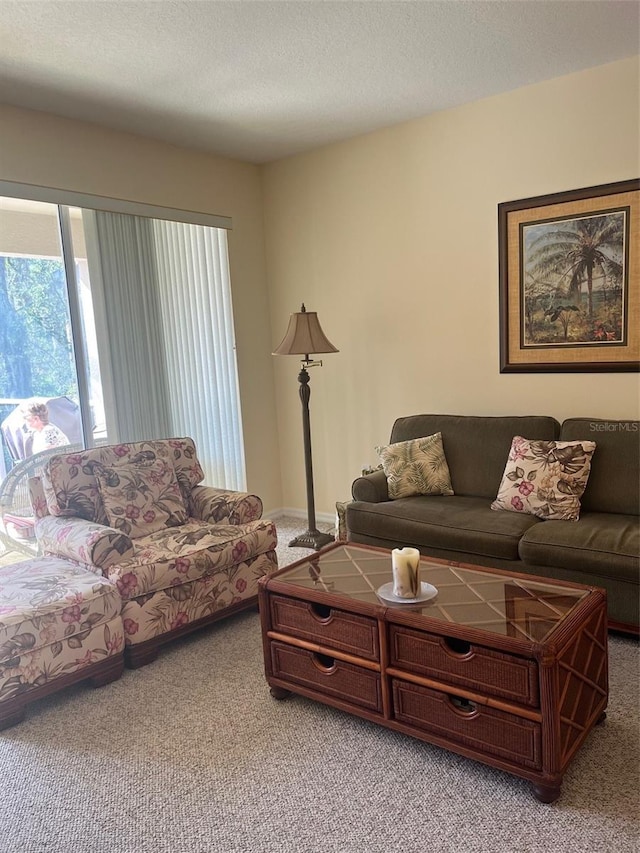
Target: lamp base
311,539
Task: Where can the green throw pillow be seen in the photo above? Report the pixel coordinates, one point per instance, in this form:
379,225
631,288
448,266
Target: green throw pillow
416,467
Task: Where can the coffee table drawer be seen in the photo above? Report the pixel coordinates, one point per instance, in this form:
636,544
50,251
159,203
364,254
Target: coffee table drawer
326,675
455,662
327,626
479,727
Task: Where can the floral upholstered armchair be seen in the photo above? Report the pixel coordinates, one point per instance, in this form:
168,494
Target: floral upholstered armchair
180,554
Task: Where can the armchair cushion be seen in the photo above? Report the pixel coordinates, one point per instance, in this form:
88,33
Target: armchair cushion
46,600
37,498
140,499
93,545
170,558
71,486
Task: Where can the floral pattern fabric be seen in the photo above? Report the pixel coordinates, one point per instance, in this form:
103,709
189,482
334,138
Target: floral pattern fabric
341,520
416,467
55,618
85,542
141,499
545,478
169,577
149,616
177,556
48,599
224,507
71,487
29,669
38,500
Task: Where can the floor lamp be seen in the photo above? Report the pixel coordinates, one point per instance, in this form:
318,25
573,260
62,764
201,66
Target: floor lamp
304,337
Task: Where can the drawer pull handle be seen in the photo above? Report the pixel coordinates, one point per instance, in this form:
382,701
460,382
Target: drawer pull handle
461,648
462,706
320,611
324,663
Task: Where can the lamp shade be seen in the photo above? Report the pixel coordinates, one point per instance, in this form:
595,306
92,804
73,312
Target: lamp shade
304,336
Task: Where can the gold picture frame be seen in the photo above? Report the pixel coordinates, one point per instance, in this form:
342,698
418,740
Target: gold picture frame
569,270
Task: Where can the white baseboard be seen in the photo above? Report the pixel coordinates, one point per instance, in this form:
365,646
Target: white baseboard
292,512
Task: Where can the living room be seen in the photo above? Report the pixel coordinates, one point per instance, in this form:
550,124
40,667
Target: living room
391,236
359,231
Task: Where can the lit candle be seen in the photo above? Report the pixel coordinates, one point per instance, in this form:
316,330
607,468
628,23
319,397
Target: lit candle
405,563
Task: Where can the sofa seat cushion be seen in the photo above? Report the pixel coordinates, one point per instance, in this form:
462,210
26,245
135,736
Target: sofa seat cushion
599,543
178,555
47,601
453,523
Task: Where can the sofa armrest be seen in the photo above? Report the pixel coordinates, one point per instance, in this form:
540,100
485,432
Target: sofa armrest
93,545
371,488
224,507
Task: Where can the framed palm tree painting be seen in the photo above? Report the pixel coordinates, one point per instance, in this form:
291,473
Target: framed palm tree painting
570,281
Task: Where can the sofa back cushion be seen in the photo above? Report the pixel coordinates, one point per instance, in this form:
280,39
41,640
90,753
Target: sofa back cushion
70,483
476,448
614,481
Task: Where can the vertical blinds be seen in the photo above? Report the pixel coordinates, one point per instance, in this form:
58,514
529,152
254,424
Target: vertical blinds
167,302
125,262
197,318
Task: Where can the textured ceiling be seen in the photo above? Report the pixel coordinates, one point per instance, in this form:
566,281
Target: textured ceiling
258,81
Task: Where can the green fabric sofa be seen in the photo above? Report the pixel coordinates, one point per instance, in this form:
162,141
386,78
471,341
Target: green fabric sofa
602,548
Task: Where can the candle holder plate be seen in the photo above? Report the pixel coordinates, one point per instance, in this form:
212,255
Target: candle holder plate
427,591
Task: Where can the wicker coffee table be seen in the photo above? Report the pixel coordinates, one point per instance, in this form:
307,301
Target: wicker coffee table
505,668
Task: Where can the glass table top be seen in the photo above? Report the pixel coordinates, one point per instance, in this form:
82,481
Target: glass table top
485,599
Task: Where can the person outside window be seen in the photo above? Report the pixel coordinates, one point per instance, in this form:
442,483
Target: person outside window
45,435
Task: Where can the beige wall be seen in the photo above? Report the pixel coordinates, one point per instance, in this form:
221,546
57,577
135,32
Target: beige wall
45,150
392,238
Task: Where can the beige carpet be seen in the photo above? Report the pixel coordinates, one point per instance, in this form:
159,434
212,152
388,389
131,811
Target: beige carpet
192,755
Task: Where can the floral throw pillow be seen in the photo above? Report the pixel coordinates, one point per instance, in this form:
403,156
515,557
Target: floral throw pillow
416,467
141,498
545,478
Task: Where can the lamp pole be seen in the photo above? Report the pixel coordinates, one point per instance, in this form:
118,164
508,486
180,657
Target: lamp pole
312,537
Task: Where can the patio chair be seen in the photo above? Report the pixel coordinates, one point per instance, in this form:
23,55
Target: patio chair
16,513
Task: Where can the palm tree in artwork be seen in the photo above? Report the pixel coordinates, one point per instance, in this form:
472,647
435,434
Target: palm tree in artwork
574,250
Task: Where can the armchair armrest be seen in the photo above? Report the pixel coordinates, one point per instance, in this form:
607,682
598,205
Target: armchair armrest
371,488
94,545
224,507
